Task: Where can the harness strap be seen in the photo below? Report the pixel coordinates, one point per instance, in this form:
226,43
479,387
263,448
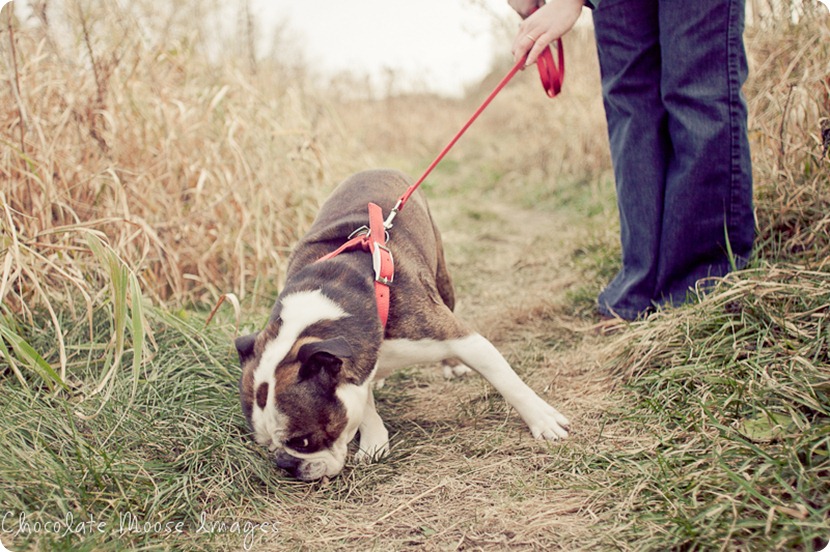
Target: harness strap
372,239
382,261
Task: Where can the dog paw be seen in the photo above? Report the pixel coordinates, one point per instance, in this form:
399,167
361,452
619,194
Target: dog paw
548,424
371,453
374,441
379,383
458,370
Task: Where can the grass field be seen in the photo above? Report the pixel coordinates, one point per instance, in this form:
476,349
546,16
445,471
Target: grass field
142,183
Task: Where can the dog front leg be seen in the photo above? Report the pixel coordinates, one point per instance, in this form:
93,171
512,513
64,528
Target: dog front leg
544,421
374,438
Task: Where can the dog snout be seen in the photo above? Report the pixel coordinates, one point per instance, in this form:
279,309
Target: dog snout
302,469
287,462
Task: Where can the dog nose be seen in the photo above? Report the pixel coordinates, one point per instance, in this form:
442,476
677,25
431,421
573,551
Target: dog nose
287,462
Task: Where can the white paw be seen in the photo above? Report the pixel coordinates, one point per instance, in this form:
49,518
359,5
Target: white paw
379,383
547,423
374,441
371,453
451,372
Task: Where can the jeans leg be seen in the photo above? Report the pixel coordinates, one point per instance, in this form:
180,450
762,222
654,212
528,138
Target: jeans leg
708,192
627,34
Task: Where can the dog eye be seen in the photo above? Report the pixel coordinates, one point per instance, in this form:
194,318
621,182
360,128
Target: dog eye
300,444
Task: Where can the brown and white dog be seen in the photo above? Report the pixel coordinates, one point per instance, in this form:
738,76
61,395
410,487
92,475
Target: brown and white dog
306,386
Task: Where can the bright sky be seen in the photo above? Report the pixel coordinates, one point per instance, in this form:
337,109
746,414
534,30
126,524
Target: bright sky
438,45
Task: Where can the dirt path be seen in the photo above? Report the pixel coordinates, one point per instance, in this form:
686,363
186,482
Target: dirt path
464,472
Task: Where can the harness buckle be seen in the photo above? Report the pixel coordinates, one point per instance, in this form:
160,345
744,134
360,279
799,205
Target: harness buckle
383,264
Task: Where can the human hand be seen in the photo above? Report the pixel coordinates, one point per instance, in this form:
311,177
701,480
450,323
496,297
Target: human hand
543,26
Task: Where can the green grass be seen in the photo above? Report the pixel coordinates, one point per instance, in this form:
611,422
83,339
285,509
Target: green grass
166,447
732,398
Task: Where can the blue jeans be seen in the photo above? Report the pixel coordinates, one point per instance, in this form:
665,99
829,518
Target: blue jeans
672,73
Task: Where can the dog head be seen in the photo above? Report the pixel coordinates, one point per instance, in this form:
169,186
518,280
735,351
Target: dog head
297,390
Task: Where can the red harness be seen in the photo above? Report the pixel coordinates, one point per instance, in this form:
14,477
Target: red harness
373,238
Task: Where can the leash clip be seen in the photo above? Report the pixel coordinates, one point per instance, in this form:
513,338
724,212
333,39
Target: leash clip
393,213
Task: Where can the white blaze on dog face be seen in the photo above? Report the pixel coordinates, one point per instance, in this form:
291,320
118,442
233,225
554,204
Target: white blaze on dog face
290,384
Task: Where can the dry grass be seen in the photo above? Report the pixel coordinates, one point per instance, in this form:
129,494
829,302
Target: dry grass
789,98
200,174
523,139
143,180
197,174
733,394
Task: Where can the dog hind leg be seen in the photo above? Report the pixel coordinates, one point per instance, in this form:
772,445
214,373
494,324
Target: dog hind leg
442,276
453,368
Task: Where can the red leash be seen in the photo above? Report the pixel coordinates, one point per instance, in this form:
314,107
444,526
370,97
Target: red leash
552,75
373,238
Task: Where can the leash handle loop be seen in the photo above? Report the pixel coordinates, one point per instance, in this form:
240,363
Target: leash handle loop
552,73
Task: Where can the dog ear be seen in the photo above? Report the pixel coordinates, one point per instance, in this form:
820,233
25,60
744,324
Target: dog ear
245,347
323,359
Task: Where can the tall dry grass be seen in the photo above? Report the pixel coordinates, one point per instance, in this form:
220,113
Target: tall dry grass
789,100
127,125
197,165
198,172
